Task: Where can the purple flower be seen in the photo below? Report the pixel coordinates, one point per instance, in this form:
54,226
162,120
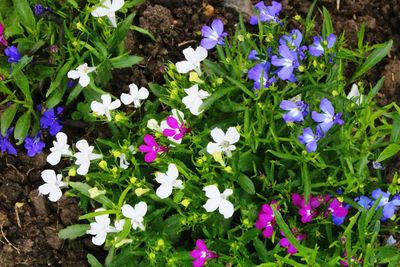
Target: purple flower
3,40
34,145
267,13
151,148
5,144
253,55
297,111
287,62
293,40
284,242
328,118
364,201
201,253
377,166
266,220
13,54
310,139
38,9
259,74
338,210
176,130
308,210
316,49
49,120
389,207
213,35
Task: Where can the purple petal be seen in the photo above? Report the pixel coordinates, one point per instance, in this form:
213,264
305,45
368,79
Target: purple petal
208,43
200,244
331,40
326,106
199,262
287,105
311,146
196,253
168,132
318,117
285,72
149,140
217,26
150,156
285,52
206,31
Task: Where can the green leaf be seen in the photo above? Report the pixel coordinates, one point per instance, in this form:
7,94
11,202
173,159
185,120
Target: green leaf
388,152
4,89
22,126
73,231
125,61
143,31
93,261
25,13
306,182
23,83
376,88
121,31
246,184
74,94
7,117
327,27
84,190
214,97
241,86
261,249
25,60
61,74
159,92
377,55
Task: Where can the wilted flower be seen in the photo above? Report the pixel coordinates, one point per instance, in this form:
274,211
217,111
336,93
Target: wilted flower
201,253
194,99
60,148
168,181
50,120
123,163
267,13
218,201
106,106
328,118
135,95
391,241
355,95
84,156
316,49
100,228
34,145
108,8
5,144
13,54
52,186
213,35
224,142
297,110
151,148
135,214
310,139
193,59
81,73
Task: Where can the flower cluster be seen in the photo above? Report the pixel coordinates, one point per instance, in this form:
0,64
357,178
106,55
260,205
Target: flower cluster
389,207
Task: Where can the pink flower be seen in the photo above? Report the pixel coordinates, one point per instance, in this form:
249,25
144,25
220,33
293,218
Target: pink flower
151,148
309,210
200,254
352,260
266,220
284,242
3,40
175,129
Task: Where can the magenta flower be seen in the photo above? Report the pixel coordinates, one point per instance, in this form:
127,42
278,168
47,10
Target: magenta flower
151,148
308,210
3,40
175,129
266,220
338,210
200,254
284,242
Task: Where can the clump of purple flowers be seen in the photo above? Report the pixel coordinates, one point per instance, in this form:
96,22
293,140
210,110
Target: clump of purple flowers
201,254
5,144
308,210
266,220
50,120
266,13
213,35
389,206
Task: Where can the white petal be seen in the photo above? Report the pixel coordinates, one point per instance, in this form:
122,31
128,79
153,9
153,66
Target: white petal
172,171
162,178
232,135
212,148
184,66
218,135
353,92
115,104
82,145
84,80
54,158
189,54
164,191
141,209
133,89
61,138
97,107
119,225
212,191
203,94
112,18
201,54
117,4
55,195
73,74
49,176
226,208
227,193
178,184
211,205
45,189
143,93
127,211
83,168
127,98
99,239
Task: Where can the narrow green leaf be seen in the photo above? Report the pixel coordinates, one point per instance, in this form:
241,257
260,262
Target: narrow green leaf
246,184
25,13
125,61
376,88
93,261
23,83
388,152
160,93
73,231
214,97
7,117
143,31
74,94
306,182
121,31
4,89
22,126
310,13
61,74
327,26
377,55
261,249
84,190
241,86
25,60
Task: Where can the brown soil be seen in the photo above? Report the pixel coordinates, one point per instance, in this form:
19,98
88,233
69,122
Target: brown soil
29,223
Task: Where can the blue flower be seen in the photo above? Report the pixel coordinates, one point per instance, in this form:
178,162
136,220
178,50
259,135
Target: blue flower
33,145
5,144
316,49
253,55
293,40
38,9
310,139
389,207
213,35
328,118
259,73
364,202
297,110
267,13
13,54
288,63
49,120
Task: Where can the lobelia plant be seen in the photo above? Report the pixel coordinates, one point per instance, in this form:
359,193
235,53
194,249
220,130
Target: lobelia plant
266,132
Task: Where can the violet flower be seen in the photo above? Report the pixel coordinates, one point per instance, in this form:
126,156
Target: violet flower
176,130
253,55
266,220
50,120
259,74
287,62
293,40
308,210
389,207
13,54
310,139
297,110
316,49
3,40
328,118
267,13
38,9
364,202
284,242
201,254
338,210
213,35
377,166
5,144
151,148
34,145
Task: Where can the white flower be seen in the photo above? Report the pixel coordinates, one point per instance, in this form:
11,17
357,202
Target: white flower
108,8
152,124
135,214
135,95
123,163
52,185
81,72
168,181
105,107
355,95
84,156
60,148
100,228
119,225
194,99
193,59
223,142
179,117
218,201
391,241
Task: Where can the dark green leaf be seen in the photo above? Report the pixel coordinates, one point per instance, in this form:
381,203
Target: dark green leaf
61,74
74,94
93,261
214,97
143,31
84,190
22,126
246,184
327,27
25,60
4,89
73,231
125,61
121,31
25,13
7,117
23,83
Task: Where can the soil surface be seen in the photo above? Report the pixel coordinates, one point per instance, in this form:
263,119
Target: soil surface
29,223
